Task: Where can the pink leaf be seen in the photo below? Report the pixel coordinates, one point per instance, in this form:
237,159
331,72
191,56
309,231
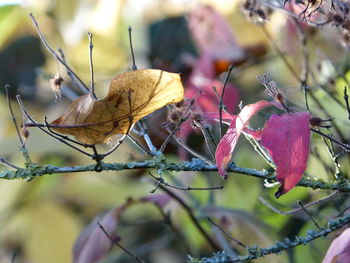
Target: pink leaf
287,138
228,142
339,250
213,35
93,244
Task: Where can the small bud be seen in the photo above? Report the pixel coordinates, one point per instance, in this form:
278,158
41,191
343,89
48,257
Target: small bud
25,133
318,122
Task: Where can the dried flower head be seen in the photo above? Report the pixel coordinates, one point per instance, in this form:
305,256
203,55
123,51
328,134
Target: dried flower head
339,16
272,90
256,12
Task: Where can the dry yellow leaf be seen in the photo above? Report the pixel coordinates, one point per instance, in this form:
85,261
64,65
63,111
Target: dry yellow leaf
95,121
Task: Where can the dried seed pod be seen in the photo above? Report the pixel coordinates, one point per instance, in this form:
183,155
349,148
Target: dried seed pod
56,83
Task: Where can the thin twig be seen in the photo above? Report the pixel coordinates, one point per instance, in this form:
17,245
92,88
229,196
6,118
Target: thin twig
119,245
187,148
92,83
160,180
64,137
281,8
308,214
344,146
305,68
323,109
144,133
12,114
193,218
140,146
296,210
346,99
314,152
299,79
53,53
116,146
280,54
326,90
23,147
50,134
227,234
259,149
7,163
76,82
134,67
221,103
208,138
334,157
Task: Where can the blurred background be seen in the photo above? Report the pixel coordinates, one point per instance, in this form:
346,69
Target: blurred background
41,219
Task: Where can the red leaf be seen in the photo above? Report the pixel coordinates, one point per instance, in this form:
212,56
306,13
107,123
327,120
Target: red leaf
287,138
339,250
228,142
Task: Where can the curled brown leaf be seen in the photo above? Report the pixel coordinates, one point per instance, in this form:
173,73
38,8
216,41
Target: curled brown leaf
132,96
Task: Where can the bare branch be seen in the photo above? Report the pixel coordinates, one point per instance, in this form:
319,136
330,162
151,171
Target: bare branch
92,82
134,67
221,102
136,258
227,234
53,53
296,210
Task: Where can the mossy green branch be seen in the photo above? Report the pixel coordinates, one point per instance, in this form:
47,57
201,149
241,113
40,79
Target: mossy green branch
161,164
255,252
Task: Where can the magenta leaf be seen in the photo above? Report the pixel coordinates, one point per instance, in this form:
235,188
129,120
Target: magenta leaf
339,250
287,139
228,142
213,35
93,244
